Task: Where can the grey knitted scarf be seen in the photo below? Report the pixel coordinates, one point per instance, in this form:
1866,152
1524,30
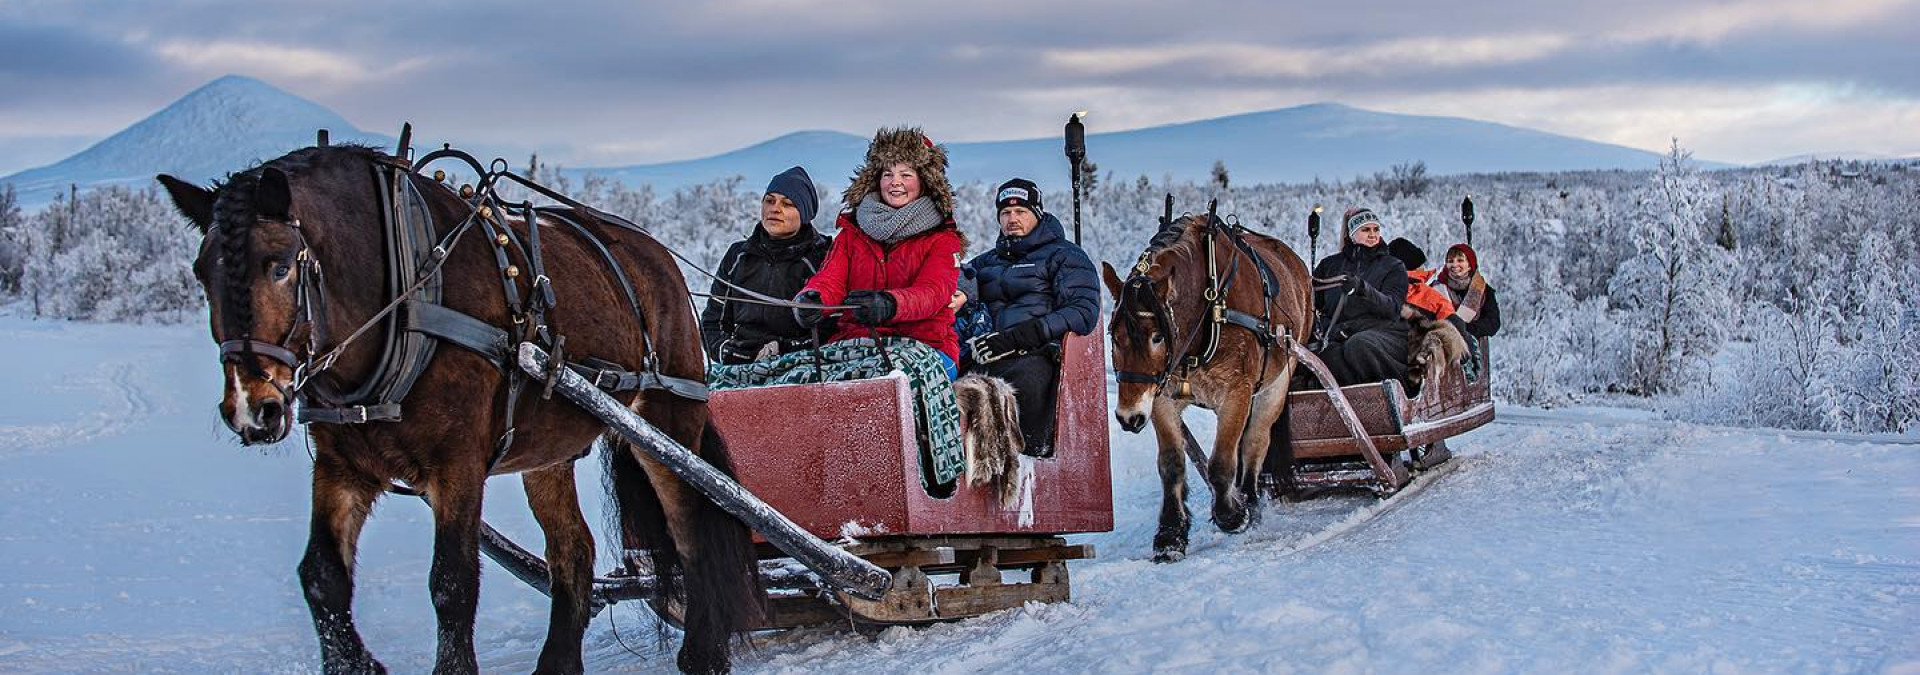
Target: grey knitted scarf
889,225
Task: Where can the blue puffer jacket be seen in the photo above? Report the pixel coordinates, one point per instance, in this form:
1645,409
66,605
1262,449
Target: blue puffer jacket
1039,276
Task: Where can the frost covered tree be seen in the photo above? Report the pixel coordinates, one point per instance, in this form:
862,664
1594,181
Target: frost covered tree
13,245
1673,288
110,254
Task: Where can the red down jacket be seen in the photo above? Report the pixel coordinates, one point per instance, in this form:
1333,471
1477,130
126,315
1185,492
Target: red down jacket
920,272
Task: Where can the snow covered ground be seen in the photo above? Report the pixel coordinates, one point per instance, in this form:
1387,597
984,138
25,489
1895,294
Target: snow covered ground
136,536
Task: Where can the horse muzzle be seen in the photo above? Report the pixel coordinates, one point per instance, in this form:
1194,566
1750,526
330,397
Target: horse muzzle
257,411
1131,422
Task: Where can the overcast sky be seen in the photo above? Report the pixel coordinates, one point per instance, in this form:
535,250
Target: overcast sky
620,82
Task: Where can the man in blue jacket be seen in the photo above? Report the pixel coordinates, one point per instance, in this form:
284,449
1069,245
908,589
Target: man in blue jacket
1037,287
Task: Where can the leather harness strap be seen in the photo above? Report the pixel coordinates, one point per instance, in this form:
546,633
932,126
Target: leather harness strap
1217,314
415,322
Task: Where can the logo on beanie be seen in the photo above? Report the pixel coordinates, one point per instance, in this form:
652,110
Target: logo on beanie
1019,193
1361,217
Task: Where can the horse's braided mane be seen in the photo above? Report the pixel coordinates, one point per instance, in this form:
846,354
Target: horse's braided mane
1169,240
235,217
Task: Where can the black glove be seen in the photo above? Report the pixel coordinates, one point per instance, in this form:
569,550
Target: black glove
808,317
871,308
741,349
1023,336
799,344
1353,285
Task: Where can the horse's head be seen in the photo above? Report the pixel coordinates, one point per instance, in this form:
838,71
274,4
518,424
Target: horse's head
262,278
1153,312
251,265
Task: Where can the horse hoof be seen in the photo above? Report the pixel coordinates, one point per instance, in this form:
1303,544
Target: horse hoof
366,666
1172,555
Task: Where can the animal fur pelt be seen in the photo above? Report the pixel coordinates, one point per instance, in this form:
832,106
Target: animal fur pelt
909,146
1432,346
991,421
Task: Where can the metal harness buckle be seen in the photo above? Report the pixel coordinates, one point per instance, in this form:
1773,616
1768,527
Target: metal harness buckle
600,378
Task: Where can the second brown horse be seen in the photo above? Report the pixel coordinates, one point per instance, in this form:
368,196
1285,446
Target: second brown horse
1204,318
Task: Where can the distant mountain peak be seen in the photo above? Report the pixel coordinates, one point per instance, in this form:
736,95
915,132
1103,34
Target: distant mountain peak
227,124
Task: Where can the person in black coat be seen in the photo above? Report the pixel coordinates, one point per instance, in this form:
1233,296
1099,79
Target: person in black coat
776,260
1365,336
1037,287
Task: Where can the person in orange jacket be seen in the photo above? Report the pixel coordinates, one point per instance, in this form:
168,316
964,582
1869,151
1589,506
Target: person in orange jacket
1420,293
1424,297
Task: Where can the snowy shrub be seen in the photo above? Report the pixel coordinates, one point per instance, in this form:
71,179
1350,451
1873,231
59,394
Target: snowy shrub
113,254
13,244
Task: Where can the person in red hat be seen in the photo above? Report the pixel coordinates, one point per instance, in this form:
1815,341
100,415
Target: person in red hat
1473,300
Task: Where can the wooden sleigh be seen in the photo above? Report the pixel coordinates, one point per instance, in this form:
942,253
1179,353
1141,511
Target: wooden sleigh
1400,432
841,460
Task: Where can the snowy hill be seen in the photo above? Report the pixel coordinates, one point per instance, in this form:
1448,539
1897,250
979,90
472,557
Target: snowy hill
140,537
234,122
1326,140
225,125
1846,156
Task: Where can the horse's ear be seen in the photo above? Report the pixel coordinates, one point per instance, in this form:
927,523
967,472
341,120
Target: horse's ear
273,198
1111,278
193,201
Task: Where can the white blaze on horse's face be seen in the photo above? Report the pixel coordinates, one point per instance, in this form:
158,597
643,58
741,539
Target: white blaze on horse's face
253,407
1135,399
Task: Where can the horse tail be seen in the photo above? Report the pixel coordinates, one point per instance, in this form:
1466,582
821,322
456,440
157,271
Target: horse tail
640,519
730,578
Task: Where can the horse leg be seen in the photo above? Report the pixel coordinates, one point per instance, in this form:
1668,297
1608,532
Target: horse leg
342,499
1223,467
715,549
569,554
454,578
1170,541
1255,440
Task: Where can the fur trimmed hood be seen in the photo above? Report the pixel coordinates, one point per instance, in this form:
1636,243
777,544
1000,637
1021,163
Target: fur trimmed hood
909,146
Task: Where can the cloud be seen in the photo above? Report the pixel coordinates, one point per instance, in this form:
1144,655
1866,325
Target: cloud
615,81
281,62
1252,60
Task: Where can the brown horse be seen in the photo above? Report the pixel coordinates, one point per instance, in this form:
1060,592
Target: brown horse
1204,319
270,232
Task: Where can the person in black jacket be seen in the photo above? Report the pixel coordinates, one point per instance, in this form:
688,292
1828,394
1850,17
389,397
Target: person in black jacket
1037,287
1365,336
776,260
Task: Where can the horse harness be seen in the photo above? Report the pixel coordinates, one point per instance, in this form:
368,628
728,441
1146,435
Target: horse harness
416,322
1181,362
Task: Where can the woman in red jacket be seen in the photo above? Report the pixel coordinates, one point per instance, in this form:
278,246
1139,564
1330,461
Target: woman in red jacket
897,257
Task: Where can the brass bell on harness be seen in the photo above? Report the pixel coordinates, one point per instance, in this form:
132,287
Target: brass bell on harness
513,271
439,176
486,213
500,239
466,191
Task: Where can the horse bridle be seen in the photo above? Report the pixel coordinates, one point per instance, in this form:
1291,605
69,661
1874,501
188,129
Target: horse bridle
1139,284
309,309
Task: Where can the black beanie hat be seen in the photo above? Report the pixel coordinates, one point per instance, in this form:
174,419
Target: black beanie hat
797,187
1018,192
1408,253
